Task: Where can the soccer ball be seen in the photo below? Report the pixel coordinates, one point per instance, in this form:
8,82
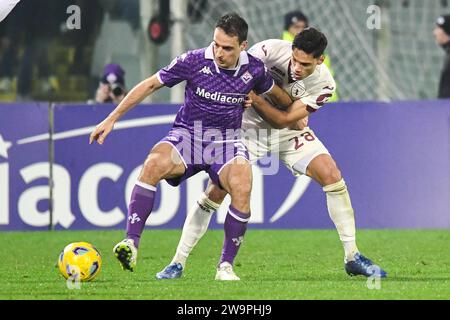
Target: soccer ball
80,261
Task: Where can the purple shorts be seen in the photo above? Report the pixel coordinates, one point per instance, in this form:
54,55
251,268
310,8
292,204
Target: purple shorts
200,155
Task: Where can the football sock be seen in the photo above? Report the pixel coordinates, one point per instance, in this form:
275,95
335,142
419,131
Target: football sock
141,205
195,226
235,227
341,213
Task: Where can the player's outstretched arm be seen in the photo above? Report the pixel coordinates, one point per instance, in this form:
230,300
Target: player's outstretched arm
279,97
134,97
277,118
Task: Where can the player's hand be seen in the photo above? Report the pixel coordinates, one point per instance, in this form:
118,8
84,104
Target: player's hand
300,124
102,93
101,131
248,101
252,97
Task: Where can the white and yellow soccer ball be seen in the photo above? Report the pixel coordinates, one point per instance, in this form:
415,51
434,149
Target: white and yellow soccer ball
80,261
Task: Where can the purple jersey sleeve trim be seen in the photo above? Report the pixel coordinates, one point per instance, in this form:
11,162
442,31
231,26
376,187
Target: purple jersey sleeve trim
270,89
158,76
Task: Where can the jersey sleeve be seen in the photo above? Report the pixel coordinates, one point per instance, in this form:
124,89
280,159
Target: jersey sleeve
177,71
267,50
318,97
264,82
259,50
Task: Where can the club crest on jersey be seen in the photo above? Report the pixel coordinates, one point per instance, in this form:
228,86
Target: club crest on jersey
298,89
246,77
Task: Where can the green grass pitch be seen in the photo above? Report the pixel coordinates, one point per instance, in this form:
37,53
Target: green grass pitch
273,264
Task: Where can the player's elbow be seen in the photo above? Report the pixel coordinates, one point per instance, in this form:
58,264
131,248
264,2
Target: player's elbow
151,84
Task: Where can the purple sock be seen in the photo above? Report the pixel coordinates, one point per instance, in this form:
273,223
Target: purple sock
141,205
235,227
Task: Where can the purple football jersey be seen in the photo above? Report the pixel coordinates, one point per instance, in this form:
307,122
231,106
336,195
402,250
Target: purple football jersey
214,96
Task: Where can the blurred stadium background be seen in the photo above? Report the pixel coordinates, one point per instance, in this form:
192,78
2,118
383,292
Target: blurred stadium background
398,62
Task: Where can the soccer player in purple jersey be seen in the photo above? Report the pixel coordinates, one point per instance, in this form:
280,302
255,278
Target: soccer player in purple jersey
218,78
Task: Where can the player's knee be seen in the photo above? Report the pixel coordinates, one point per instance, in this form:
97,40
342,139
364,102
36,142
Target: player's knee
330,174
240,201
155,167
237,180
241,190
240,187
245,189
241,182
334,175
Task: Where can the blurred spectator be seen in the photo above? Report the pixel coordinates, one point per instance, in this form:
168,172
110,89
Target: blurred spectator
83,39
112,85
442,35
119,38
39,24
9,48
295,22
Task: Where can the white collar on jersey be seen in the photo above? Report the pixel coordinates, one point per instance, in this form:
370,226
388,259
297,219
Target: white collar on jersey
243,59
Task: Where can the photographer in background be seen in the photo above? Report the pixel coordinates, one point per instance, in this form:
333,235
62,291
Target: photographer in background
112,85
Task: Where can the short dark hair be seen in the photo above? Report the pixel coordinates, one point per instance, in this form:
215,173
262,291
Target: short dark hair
233,25
311,41
293,17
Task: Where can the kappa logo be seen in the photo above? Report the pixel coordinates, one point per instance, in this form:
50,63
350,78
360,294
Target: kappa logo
134,218
206,70
246,77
